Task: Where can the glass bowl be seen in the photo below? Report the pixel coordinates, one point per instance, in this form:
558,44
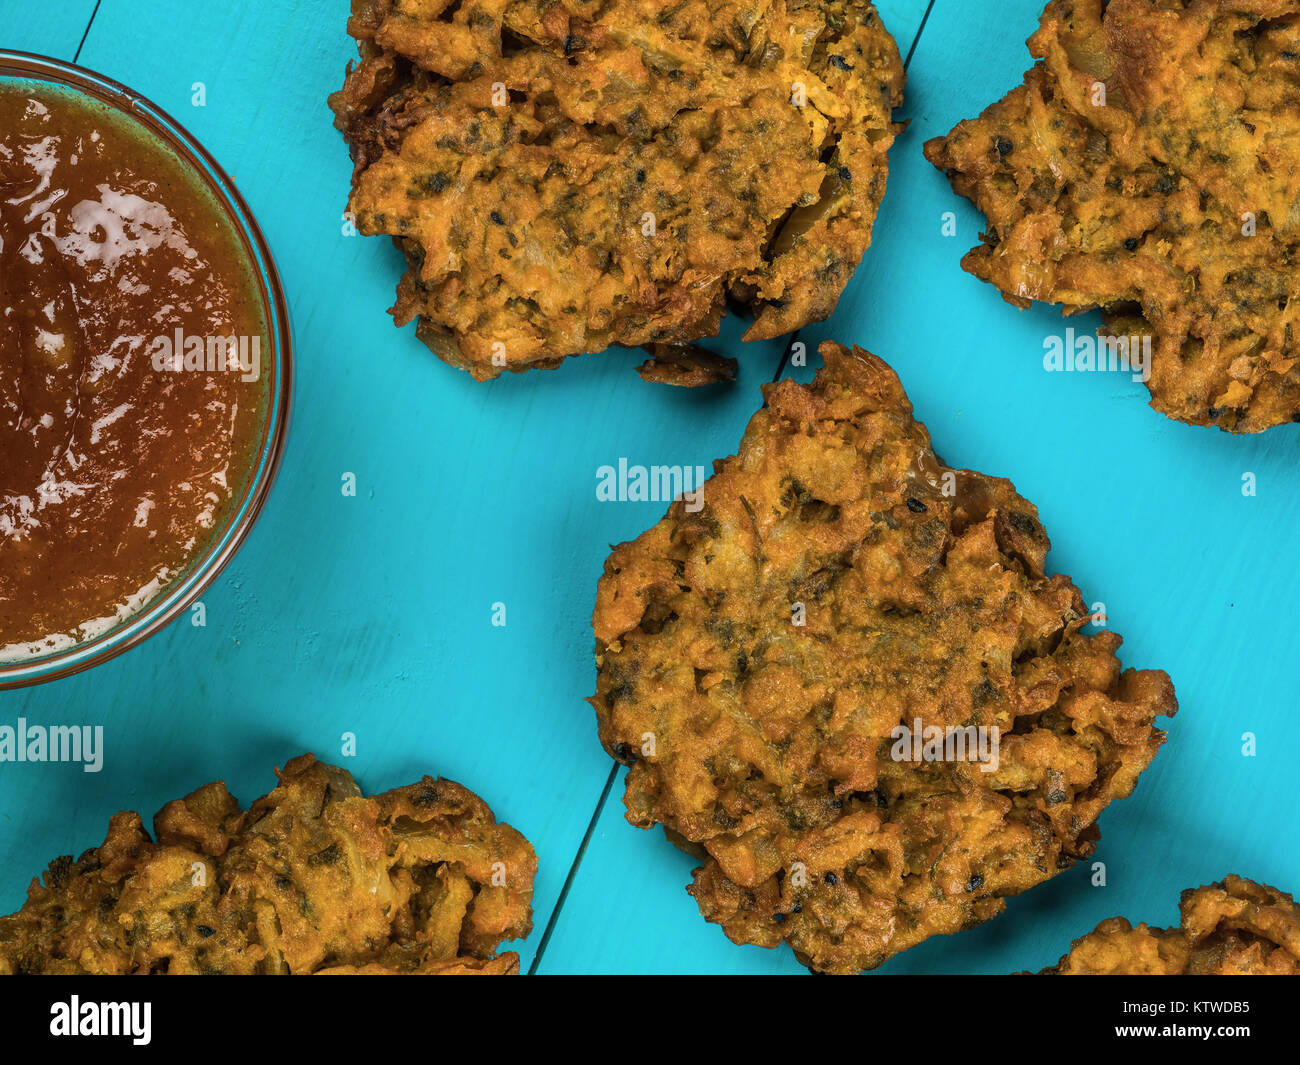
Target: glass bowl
18,68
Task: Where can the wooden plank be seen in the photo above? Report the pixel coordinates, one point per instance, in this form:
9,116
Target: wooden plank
46,29
372,614
369,614
903,19
1147,515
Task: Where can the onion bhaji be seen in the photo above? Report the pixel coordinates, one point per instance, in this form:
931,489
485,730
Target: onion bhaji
312,878
569,175
1233,928
1150,167
758,657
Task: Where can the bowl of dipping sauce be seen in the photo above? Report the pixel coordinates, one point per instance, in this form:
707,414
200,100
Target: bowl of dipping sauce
145,369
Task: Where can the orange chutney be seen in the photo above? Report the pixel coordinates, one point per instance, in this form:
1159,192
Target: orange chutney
133,368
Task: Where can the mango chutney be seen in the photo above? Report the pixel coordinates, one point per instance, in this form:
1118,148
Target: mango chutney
134,376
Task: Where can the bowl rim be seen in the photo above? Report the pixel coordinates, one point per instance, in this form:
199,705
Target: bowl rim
204,567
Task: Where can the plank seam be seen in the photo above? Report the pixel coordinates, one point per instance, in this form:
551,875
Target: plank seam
573,871
785,356
86,33
609,783
917,39
911,51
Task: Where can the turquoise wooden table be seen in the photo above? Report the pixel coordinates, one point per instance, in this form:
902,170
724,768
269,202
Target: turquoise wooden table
373,614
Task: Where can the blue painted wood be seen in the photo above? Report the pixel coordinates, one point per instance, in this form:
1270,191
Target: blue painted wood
1145,514
53,29
372,614
369,614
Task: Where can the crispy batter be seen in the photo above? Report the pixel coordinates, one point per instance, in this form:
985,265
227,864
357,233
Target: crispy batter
1171,206
686,366
312,878
1233,928
765,745
520,154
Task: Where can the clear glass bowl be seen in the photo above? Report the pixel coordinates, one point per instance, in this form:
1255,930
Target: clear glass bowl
17,68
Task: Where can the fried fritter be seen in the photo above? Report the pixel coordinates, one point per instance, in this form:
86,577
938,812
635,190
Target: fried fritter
757,658
1233,928
312,878
686,366
567,176
1150,166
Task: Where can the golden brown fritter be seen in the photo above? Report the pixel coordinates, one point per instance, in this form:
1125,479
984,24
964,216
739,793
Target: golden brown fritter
312,878
1233,928
686,366
566,176
756,657
1150,166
